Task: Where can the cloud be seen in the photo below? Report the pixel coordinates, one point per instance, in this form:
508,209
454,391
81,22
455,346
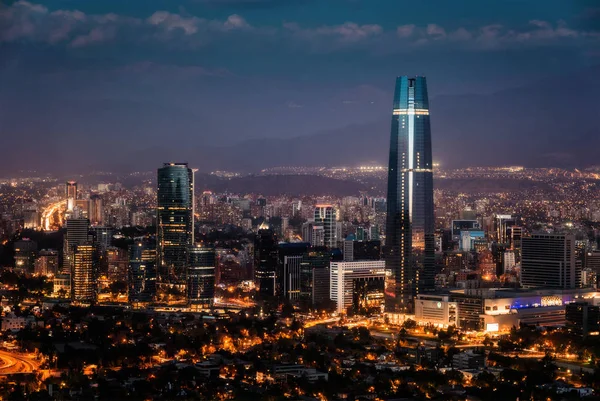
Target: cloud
170,22
405,31
494,36
235,22
96,35
346,32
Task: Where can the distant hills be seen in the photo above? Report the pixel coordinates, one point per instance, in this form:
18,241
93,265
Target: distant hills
553,122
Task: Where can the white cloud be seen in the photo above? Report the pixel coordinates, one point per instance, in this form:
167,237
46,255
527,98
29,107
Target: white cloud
235,22
405,31
96,35
171,21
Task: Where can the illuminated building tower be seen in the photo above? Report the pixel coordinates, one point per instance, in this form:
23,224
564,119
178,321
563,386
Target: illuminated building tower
326,215
78,232
47,262
142,270
95,210
175,226
84,273
265,260
548,261
201,276
71,195
410,240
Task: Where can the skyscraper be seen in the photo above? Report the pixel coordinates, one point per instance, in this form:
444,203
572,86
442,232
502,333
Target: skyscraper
84,273
265,260
95,210
78,232
410,248
175,225
327,215
71,195
142,270
548,260
201,276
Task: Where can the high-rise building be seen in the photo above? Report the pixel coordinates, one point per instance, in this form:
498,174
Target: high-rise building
71,195
314,277
265,260
25,254
84,273
327,215
548,261
95,210
291,277
288,268
410,242
47,262
361,250
313,233
201,276
78,232
175,226
142,270
357,285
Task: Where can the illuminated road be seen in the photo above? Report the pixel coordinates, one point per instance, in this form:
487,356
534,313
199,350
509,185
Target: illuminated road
12,363
49,212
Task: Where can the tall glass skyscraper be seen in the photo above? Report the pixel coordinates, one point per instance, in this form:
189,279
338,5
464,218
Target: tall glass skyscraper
175,228
410,220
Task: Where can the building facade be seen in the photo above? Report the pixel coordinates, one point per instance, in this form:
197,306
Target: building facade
357,285
175,226
410,242
201,276
549,261
142,270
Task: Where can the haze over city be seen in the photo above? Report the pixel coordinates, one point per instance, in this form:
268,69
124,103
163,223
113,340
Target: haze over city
249,84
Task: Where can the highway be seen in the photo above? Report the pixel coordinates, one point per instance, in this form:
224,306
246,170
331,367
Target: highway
48,214
11,363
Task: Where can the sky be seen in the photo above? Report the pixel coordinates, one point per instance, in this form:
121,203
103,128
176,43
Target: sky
95,82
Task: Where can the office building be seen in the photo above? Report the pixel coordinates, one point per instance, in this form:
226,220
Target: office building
175,226
25,254
314,277
361,250
548,261
458,226
508,261
502,227
410,247
437,310
103,236
84,276
357,286
46,263
95,210
201,276
313,233
289,255
142,270
327,216
78,232
71,195
583,317
265,260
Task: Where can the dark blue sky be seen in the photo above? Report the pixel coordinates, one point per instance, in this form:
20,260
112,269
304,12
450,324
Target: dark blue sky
113,77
